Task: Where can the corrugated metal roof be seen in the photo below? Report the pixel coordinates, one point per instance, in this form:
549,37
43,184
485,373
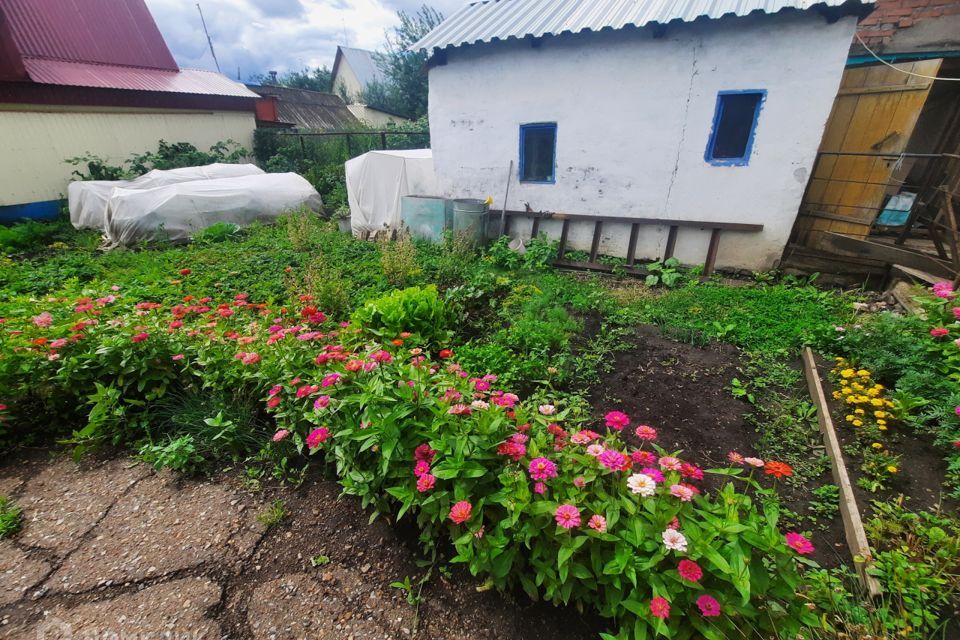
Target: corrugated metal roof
503,19
101,31
102,76
309,109
362,63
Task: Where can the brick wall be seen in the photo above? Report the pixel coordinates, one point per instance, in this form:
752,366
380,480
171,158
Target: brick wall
890,16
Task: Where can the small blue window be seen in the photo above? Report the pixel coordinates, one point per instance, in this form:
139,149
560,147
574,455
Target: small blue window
734,125
538,152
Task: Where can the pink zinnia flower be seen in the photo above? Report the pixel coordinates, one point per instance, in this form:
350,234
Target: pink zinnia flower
643,457
250,358
939,332
280,435
542,469
688,470
330,380
317,436
654,473
43,320
584,437
321,403
421,467
273,402
689,570
305,391
140,337
460,512
645,433
754,462
547,409
614,460
598,523
459,410
660,608
540,488
669,463
943,290
617,420
709,606
176,357
567,516
274,390
424,452
798,543
682,492
381,356
956,313
595,450
426,482
735,457
579,482
674,540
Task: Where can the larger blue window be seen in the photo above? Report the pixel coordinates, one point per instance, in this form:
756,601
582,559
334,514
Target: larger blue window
538,152
734,125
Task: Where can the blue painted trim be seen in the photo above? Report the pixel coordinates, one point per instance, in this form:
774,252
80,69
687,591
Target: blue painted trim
744,160
534,126
859,61
13,213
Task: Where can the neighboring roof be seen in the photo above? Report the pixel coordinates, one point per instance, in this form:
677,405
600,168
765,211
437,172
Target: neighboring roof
98,31
362,63
101,44
489,20
309,109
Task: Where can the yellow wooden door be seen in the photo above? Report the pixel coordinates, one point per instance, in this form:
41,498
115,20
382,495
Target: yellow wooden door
875,112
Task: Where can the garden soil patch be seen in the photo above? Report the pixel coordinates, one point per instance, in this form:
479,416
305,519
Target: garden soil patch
128,551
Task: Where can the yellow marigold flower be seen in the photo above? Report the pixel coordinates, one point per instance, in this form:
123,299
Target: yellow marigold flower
873,393
888,404
859,412
879,414
879,387
847,373
836,395
851,399
863,373
858,423
877,402
877,445
850,417
846,391
857,386
892,469
882,427
881,422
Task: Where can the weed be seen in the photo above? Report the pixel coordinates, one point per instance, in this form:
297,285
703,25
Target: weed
319,561
273,515
178,454
11,517
398,258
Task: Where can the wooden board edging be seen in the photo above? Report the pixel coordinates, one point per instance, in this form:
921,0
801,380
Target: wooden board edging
849,512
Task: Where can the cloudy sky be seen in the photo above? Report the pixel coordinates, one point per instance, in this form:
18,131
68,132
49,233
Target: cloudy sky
262,35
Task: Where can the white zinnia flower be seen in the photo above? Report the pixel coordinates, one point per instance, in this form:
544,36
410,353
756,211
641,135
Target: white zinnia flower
547,409
673,539
642,484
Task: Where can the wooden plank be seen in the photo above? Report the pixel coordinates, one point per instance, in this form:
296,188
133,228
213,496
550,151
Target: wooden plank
890,254
849,512
915,274
699,224
564,232
712,249
882,89
535,230
632,244
595,245
671,243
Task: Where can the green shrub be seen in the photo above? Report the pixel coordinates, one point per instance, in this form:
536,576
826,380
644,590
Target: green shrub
417,310
11,517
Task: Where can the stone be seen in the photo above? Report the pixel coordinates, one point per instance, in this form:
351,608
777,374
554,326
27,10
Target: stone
18,572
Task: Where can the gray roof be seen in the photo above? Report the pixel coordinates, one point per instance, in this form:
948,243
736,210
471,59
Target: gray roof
488,20
309,109
362,63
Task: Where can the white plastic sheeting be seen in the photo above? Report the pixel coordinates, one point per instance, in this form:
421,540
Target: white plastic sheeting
377,180
177,211
88,199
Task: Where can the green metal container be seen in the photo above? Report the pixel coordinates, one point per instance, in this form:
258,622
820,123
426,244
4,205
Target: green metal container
470,219
424,216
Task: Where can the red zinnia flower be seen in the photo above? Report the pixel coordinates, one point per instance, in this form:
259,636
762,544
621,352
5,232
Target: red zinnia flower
460,512
778,469
445,353
185,272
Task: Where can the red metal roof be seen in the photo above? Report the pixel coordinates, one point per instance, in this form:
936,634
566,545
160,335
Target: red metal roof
120,32
80,74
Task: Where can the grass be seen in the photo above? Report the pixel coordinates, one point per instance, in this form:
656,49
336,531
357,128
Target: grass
11,517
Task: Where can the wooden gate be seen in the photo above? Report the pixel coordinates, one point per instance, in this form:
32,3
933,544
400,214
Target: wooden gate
871,122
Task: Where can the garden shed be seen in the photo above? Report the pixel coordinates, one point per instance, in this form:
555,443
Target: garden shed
95,76
694,118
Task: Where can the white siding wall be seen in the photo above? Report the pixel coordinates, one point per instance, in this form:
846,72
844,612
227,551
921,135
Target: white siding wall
348,79
634,115
36,143
374,117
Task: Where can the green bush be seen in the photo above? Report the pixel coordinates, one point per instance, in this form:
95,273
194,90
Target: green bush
416,310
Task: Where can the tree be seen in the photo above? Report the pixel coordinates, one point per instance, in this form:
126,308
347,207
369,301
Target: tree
316,79
404,89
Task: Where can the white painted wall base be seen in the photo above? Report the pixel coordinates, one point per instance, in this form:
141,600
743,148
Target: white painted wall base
634,115
35,144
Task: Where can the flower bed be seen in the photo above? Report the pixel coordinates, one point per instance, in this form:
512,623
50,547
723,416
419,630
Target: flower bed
527,493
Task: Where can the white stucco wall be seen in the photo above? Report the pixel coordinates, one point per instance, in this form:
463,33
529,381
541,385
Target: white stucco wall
634,114
37,140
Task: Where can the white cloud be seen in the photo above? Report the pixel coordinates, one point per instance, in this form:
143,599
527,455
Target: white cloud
262,35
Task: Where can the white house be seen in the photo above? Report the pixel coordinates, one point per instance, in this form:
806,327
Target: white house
664,109
353,71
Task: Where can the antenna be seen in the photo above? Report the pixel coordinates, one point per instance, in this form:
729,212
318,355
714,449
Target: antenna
346,41
209,41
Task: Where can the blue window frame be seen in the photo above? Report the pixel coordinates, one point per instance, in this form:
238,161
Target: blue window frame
538,152
734,126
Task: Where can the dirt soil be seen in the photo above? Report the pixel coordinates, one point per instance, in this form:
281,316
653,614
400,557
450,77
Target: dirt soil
683,391
110,548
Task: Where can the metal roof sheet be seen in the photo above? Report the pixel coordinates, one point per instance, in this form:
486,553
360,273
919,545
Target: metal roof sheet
489,20
99,31
309,109
363,64
102,76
